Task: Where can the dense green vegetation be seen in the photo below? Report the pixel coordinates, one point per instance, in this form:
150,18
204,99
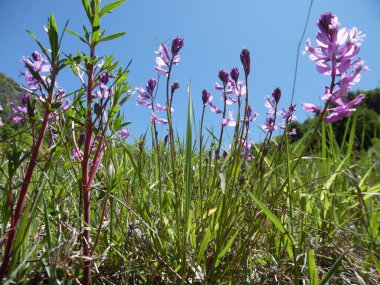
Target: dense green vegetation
262,224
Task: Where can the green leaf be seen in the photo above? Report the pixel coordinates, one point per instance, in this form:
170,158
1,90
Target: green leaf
96,29
108,8
223,252
332,270
76,35
95,22
113,36
87,8
276,222
313,273
53,37
202,248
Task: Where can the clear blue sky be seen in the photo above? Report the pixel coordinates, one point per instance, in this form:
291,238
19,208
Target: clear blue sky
215,31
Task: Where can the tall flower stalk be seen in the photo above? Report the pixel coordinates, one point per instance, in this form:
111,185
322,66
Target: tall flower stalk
165,62
43,86
99,116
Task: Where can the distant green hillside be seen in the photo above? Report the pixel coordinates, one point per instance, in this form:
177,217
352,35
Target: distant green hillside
9,90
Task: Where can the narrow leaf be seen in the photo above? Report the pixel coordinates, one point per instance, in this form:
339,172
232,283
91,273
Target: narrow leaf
108,8
313,273
276,222
113,36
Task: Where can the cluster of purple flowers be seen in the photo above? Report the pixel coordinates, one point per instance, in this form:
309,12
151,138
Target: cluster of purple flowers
232,90
35,87
39,64
164,62
335,56
287,115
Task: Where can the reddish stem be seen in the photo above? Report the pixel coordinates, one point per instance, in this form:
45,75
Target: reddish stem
85,177
24,189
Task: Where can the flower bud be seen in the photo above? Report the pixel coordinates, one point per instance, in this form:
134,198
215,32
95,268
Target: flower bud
151,85
25,99
81,139
234,74
97,109
249,111
224,76
245,59
328,23
205,96
276,94
175,86
104,77
36,56
177,44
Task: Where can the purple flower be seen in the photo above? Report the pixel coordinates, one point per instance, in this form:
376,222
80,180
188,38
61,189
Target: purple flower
224,77
1,123
144,98
177,44
162,108
164,58
250,118
38,62
123,133
245,59
230,121
293,132
240,90
308,107
343,110
103,93
157,119
207,100
39,65
234,74
271,105
14,119
288,115
18,109
269,125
